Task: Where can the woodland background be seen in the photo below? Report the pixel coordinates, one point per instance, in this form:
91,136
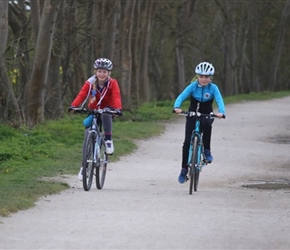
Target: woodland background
48,47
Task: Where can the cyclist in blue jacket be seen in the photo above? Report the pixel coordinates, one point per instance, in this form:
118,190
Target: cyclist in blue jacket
201,90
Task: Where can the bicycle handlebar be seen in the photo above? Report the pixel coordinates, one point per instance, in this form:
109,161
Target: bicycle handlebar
96,111
198,114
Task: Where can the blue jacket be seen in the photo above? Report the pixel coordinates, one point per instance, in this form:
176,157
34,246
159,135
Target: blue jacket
202,94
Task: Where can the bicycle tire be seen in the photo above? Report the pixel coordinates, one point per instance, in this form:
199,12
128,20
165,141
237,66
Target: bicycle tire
191,177
194,174
101,169
88,161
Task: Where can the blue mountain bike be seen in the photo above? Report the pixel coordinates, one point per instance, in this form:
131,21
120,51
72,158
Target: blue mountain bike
196,156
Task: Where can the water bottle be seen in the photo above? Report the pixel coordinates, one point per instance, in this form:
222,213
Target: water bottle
88,121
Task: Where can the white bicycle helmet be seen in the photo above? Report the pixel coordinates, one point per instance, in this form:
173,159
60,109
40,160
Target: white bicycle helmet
204,68
103,63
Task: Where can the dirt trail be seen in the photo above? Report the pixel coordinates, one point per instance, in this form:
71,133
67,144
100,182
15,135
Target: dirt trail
240,203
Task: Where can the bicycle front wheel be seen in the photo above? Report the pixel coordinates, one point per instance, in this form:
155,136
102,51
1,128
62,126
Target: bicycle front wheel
88,161
101,169
194,173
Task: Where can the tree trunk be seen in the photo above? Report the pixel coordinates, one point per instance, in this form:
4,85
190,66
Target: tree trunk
184,23
279,45
136,58
126,56
35,18
35,90
89,58
111,32
53,95
147,29
180,67
230,47
254,84
6,95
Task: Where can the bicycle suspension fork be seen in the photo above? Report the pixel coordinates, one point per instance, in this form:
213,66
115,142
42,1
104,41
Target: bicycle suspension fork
96,144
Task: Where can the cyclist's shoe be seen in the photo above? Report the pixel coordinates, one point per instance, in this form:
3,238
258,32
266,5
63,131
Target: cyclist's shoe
182,176
80,175
109,147
208,155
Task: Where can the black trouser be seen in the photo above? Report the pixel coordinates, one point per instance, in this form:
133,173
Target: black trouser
206,126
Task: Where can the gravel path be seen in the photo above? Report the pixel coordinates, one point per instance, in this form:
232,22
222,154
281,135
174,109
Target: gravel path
243,201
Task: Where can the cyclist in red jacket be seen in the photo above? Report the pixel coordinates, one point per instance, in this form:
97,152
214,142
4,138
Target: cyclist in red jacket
103,92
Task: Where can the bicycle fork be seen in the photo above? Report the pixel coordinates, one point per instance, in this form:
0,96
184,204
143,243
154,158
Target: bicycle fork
96,154
97,151
199,162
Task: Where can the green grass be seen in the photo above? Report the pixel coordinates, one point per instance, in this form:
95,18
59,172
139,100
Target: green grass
54,149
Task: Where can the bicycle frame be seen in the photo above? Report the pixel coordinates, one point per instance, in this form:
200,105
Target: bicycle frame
200,151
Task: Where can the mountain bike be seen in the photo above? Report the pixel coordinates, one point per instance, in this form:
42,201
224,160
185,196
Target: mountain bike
196,156
94,157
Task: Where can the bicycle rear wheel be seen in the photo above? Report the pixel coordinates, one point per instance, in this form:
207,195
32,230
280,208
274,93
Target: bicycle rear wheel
194,171
88,161
101,169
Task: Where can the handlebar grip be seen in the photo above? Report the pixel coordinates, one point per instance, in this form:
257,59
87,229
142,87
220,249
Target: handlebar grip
77,110
119,113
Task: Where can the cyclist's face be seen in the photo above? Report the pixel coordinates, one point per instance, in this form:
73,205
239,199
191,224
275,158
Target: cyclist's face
102,75
204,80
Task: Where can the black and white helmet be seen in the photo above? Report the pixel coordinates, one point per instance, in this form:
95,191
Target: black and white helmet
204,68
103,63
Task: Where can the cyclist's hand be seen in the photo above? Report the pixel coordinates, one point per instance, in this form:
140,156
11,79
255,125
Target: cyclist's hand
177,110
220,115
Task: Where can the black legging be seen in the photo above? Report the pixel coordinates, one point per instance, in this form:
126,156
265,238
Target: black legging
206,126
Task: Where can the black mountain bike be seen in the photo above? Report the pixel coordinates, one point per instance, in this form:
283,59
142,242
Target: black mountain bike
196,156
94,157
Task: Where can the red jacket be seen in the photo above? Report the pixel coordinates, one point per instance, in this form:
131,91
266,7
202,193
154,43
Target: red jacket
109,97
